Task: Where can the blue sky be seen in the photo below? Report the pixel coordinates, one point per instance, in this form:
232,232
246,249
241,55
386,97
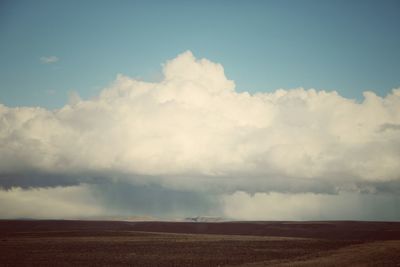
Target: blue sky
348,46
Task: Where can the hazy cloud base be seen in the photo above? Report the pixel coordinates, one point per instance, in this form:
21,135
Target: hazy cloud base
193,135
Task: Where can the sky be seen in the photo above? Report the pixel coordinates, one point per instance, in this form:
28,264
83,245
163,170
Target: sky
248,110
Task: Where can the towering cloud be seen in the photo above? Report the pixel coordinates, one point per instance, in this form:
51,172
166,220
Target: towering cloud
192,131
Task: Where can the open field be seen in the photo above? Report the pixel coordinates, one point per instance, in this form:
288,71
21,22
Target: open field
107,243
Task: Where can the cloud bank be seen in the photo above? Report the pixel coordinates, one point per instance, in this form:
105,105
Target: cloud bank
49,203
193,132
311,206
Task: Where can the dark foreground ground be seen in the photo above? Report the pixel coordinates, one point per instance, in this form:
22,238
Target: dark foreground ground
106,243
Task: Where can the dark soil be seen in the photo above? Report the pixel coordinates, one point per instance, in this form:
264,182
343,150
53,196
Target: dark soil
115,243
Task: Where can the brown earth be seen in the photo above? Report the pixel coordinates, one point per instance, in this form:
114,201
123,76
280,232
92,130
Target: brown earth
115,243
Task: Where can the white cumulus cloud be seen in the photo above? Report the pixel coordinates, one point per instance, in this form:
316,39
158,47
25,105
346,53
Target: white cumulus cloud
192,129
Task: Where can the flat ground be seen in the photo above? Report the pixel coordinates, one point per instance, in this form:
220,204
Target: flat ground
105,243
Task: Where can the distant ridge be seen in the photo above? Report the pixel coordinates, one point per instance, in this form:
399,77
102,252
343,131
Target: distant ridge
204,219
